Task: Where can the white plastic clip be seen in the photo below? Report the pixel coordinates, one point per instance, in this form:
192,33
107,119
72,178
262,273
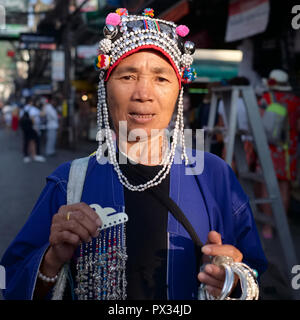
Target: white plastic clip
109,216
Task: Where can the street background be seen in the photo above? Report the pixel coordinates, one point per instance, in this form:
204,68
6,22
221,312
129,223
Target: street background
48,49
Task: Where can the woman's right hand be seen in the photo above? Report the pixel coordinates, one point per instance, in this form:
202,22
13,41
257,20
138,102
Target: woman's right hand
72,225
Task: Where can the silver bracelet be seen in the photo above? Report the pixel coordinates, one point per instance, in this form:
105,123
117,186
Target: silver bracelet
247,277
47,279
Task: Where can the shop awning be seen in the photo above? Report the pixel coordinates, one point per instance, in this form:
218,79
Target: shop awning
215,65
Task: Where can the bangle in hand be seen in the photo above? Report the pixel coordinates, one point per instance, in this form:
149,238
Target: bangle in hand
247,277
47,279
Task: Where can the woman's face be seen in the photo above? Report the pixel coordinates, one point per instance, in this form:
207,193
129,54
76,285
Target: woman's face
142,90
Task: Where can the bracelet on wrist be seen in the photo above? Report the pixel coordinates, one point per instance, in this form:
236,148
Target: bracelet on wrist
47,279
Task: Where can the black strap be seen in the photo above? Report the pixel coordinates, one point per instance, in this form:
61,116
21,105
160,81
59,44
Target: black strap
171,205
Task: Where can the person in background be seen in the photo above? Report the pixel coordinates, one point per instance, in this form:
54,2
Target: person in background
15,119
49,111
29,136
7,115
284,156
34,115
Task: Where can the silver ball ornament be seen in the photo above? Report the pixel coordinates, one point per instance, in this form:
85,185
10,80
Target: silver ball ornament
189,47
110,31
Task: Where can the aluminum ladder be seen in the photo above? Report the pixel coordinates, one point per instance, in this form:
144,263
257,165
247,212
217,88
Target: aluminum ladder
235,147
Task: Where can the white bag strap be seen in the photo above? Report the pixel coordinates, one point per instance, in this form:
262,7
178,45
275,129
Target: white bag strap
76,179
74,191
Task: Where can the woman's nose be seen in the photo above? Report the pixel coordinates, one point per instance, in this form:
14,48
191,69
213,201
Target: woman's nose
143,90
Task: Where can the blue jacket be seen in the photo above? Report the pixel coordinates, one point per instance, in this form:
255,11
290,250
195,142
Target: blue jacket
216,202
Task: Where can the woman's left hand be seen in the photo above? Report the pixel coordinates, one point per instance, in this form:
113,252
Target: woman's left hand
213,276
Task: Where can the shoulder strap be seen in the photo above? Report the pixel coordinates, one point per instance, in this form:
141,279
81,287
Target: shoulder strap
178,214
76,179
74,190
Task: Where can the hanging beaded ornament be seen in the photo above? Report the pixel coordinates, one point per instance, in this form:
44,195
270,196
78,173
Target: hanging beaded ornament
188,75
101,263
102,62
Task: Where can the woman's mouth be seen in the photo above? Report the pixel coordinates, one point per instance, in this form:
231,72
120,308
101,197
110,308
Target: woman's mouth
141,117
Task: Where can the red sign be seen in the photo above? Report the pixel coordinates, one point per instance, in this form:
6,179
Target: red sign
10,53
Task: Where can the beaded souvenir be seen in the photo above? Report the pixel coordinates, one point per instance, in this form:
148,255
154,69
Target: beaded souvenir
101,263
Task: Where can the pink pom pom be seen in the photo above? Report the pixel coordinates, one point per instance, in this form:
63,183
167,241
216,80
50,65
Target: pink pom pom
113,19
182,30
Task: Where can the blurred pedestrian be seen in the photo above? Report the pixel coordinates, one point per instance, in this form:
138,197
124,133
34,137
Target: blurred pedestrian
49,111
31,137
1,115
15,119
283,152
7,114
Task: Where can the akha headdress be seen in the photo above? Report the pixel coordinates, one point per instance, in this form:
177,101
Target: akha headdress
124,35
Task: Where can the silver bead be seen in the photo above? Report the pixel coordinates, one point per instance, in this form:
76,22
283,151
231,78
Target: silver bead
189,47
105,45
110,31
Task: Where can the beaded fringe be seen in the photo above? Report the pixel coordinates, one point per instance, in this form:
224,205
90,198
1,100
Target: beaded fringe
101,266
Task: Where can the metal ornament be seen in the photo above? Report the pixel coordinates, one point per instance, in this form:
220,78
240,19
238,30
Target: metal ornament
189,47
110,31
247,277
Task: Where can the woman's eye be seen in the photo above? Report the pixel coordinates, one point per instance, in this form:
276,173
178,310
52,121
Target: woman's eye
127,77
161,79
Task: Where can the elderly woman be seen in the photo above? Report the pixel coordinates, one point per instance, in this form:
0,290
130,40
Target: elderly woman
117,236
